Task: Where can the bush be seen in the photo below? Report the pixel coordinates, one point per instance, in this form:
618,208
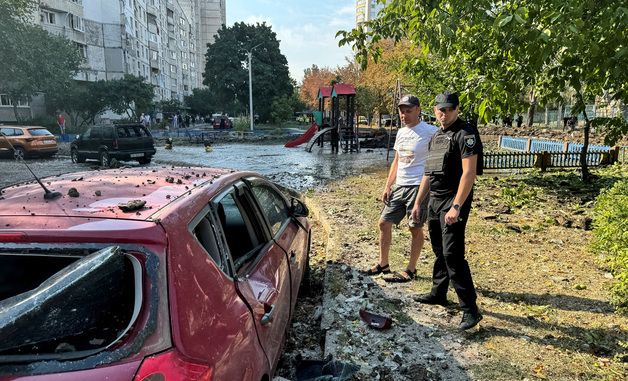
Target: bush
241,123
610,237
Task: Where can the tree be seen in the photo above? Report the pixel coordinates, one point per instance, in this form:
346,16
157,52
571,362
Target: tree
82,101
130,95
200,102
281,109
313,79
33,60
226,71
492,52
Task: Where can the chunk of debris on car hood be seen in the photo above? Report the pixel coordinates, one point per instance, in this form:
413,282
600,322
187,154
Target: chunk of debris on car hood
132,205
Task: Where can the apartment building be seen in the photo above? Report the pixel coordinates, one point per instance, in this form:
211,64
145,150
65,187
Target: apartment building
366,10
163,41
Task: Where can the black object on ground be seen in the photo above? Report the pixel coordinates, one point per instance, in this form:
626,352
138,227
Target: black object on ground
325,370
374,320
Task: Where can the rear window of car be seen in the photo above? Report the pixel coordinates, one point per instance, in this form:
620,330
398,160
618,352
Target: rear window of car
132,131
39,131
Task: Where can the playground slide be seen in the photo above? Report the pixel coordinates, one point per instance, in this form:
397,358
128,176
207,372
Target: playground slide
303,138
318,135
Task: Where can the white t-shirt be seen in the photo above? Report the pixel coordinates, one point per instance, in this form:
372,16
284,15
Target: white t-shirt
411,145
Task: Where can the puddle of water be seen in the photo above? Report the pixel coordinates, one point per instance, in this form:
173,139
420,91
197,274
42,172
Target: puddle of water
292,167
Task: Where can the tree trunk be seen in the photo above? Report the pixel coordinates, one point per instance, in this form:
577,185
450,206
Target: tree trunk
585,147
532,109
559,116
546,116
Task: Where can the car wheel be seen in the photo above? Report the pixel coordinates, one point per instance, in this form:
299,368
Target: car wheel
19,153
144,160
76,157
105,160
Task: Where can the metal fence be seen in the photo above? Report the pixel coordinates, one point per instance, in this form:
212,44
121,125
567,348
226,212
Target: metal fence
543,160
542,145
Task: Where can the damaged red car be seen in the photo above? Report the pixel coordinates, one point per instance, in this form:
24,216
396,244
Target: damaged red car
148,274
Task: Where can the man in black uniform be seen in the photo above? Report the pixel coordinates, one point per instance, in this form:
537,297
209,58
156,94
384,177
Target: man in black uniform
454,159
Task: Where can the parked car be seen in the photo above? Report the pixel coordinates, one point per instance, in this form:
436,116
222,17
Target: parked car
27,141
149,274
362,120
115,141
222,122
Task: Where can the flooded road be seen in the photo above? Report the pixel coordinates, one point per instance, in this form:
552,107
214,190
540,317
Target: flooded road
292,167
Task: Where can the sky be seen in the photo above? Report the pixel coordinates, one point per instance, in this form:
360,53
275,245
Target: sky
306,29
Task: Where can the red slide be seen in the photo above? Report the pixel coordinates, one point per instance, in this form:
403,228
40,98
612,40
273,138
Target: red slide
303,138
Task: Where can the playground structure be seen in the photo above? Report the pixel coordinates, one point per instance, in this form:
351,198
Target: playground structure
338,122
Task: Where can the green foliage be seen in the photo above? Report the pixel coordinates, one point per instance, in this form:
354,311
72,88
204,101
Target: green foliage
519,196
169,105
226,71
241,124
130,95
502,55
610,237
82,101
613,128
200,102
282,109
33,60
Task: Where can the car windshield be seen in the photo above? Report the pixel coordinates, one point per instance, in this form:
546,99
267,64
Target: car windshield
39,131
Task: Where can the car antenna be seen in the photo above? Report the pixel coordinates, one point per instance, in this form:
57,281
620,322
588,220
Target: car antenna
49,195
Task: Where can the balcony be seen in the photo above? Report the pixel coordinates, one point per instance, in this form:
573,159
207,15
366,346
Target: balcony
152,10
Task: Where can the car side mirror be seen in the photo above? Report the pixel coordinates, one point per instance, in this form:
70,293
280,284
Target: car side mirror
298,208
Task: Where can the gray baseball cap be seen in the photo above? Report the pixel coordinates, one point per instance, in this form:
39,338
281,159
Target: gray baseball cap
409,100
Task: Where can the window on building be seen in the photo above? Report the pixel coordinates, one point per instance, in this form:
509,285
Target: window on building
6,101
185,66
76,23
173,68
47,17
82,48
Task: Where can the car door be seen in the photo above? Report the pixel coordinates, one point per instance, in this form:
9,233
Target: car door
286,232
260,267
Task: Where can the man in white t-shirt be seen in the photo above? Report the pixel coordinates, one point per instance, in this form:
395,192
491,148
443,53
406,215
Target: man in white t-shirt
401,188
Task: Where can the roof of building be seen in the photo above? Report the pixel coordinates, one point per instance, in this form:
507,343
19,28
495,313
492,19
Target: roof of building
343,89
324,92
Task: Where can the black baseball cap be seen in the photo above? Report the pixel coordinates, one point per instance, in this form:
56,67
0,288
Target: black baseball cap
447,99
409,100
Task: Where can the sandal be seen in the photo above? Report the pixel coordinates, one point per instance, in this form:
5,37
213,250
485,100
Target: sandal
401,276
378,270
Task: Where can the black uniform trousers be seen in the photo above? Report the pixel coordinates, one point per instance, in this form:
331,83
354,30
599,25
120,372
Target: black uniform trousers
448,246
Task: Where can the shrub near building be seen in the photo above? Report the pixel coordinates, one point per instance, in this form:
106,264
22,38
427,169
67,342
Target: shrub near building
611,238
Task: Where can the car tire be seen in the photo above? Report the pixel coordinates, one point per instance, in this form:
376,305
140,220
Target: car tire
76,157
105,160
145,160
19,153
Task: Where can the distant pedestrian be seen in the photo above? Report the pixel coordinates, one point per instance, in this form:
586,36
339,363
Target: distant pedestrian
187,120
175,121
453,161
147,120
61,123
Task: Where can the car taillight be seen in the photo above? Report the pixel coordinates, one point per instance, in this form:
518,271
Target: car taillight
115,143
171,366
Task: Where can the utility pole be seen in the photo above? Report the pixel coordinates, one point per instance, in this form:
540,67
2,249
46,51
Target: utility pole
250,54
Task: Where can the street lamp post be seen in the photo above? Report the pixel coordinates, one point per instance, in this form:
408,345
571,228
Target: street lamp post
250,54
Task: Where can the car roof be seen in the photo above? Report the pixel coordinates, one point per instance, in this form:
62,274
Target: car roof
101,192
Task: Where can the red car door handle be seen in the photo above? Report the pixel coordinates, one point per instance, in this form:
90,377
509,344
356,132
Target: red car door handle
268,317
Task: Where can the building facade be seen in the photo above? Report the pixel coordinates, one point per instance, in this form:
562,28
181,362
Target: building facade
163,41
366,10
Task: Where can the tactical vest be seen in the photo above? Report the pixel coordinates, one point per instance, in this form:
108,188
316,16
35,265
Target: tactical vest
440,146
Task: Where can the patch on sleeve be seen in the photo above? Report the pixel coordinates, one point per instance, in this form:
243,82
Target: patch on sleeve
469,141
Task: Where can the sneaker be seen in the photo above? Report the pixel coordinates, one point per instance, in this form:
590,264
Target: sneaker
431,299
470,320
